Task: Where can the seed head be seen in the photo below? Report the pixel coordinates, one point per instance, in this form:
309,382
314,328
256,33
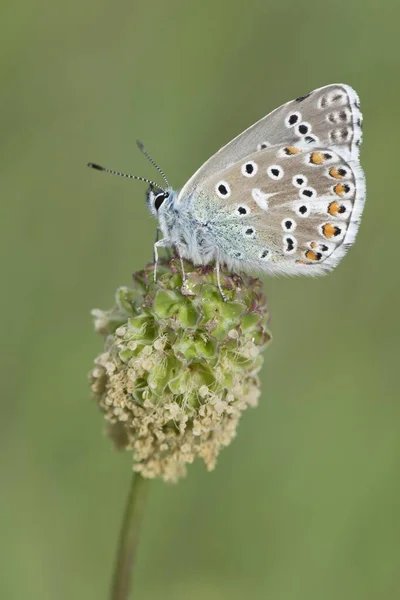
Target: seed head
179,365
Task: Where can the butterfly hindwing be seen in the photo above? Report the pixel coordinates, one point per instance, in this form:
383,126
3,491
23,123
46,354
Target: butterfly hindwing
287,208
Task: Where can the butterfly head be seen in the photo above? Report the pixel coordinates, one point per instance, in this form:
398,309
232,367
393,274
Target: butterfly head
157,199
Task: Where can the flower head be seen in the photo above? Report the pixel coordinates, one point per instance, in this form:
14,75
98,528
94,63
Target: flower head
179,365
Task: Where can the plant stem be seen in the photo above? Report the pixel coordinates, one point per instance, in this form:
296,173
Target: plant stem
128,538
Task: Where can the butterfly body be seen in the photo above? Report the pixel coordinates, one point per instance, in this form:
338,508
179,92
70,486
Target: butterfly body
283,197
185,229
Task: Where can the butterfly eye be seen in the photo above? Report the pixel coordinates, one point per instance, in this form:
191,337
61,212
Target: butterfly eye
159,199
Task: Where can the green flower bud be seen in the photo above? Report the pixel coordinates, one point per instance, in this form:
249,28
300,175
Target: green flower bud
179,365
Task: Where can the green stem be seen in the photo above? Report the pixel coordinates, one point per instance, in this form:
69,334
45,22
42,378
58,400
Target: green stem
128,538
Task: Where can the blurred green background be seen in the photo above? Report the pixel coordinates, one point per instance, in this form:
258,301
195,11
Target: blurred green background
305,503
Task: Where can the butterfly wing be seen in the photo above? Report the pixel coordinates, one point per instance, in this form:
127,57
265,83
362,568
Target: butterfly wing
328,116
287,194
288,209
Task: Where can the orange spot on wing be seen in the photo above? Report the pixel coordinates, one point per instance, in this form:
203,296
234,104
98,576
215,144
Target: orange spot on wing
335,173
314,245
333,208
336,209
317,158
340,189
311,255
292,150
330,230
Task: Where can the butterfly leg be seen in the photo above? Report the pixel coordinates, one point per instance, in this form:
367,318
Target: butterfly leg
155,242
169,255
217,269
184,280
164,243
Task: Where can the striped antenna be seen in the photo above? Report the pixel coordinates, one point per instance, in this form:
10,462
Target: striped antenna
152,161
100,168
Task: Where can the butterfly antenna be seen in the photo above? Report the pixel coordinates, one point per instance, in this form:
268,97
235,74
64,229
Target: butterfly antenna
152,161
100,168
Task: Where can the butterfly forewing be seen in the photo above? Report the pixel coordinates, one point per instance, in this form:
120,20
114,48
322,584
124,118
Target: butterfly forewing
328,116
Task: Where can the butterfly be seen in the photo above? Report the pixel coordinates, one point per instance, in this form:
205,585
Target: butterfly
283,197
